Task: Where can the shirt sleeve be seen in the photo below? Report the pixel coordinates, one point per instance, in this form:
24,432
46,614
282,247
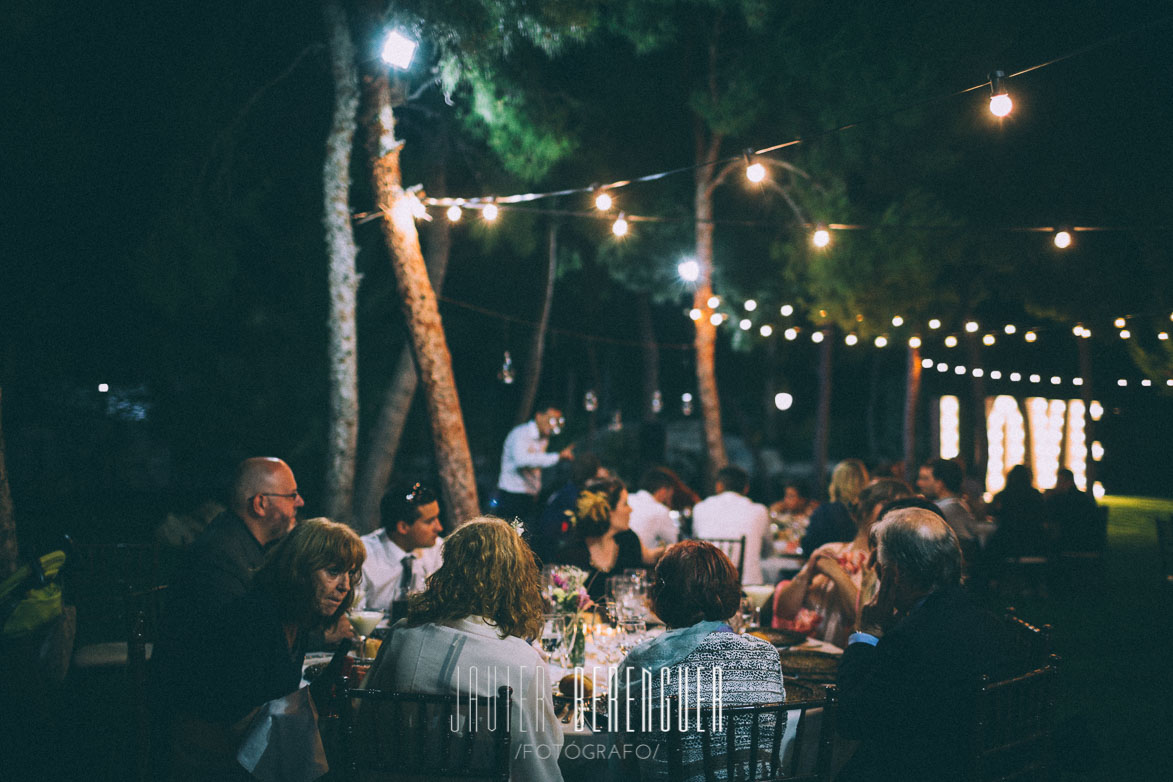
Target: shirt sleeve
525,451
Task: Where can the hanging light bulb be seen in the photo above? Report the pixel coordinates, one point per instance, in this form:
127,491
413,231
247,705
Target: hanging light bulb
1015,377
505,374
490,212
786,310
783,401
851,339
755,172
1000,103
996,374
1010,328
1125,333
1164,335
821,237
695,313
942,367
1036,378
1077,381
619,227
926,363
950,341
1119,323
398,50
1062,239
817,336
959,370
750,305
686,403
454,213
766,330
934,324
746,324
689,271
1056,380
881,341
791,334
590,401
978,372
714,302
603,201
971,326
657,401
897,321
1030,336
716,319
914,342
988,340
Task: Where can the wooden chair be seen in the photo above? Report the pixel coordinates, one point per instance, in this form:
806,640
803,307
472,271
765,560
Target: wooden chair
747,744
1013,728
734,548
1165,544
397,735
1029,646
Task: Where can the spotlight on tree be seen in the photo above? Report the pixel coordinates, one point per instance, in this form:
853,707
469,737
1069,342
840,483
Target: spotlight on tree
398,50
689,271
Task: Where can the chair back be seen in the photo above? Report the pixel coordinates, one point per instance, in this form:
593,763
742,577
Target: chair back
399,735
1165,543
1014,727
1029,647
734,548
769,742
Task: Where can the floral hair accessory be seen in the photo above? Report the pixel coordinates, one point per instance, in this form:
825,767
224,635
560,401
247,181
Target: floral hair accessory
518,526
592,505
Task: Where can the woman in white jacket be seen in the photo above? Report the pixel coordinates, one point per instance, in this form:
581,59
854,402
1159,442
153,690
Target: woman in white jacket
466,634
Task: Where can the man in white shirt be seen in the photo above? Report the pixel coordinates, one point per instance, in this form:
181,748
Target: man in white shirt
522,459
650,517
730,514
405,551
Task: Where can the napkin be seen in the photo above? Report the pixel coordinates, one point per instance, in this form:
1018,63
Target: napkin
282,743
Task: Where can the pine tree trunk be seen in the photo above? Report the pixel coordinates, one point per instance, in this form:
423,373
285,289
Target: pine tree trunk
375,473
420,310
651,351
705,341
911,401
9,553
533,371
342,438
823,415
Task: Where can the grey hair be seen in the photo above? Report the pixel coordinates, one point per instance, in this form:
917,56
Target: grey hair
921,546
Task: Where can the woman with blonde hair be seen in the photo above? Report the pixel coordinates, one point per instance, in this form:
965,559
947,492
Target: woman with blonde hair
466,634
832,521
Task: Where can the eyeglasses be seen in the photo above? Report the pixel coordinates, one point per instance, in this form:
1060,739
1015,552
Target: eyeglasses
419,494
293,495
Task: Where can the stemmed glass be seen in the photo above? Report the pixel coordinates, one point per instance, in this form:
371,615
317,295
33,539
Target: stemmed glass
554,630
363,623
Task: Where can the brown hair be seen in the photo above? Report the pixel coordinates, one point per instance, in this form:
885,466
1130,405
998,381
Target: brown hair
877,493
287,574
488,571
695,581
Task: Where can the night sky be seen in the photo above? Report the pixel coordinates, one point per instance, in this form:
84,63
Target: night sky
161,194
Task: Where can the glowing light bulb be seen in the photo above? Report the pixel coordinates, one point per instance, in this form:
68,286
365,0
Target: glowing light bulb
766,330
1056,380
1096,410
821,237
1098,490
996,374
454,213
1001,105
1077,330
1164,335
1010,328
851,339
694,313
619,227
689,271
398,50
715,319
1015,377
1146,382
950,341
881,341
490,212
971,326
603,202
1119,323
914,342
1125,333
1062,240
942,367
978,372
959,370
745,325
817,336
1036,378
103,388
755,173
791,334
1030,336
897,321
1097,450
988,340
783,401
786,310
1077,381
935,323
1122,383
750,305
714,302
926,363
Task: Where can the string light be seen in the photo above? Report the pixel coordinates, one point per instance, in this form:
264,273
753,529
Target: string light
689,271
454,213
950,341
1010,328
1164,335
817,336
996,374
766,330
881,341
750,305
959,370
1077,381
978,372
914,342
1000,103
619,227
1030,336
791,334
897,321
971,326
398,50
821,237
934,324
603,201
942,367
1056,380
490,212
851,339
1146,382
714,302
1122,383
988,340
716,319
783,401
1125,333
1015,377
1119,323
746,324
926,363
1062,239
786,310
694,313
1036,378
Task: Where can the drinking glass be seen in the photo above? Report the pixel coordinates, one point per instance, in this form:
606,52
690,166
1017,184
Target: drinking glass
363,623
553,637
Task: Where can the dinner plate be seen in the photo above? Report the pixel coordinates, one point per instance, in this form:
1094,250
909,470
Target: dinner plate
780,638
809,665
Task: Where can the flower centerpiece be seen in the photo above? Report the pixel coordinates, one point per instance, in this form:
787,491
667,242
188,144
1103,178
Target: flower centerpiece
567,594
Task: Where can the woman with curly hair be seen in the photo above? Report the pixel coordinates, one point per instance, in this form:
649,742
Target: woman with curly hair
465,634
253,653
602,542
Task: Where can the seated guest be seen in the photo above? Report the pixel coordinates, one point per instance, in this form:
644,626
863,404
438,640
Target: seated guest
468,629
651,518
796,505
602,543
406,550
695,592
908,679
832,521
253,652
553,523
731,514
940,481
1074,515
1018,511
823,599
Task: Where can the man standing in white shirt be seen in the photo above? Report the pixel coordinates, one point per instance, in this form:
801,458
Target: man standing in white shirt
730,514
522,460
650,517
405,551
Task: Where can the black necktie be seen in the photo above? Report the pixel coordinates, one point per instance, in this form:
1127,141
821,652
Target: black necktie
407,577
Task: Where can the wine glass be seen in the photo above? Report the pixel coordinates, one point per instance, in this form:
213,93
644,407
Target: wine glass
363,623
553,636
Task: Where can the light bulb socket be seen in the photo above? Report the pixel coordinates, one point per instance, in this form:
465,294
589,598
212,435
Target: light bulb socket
997,83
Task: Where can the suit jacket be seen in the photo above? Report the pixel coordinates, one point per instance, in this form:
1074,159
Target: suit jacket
910,699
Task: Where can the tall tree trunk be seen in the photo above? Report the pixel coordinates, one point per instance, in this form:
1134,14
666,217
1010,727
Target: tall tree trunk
342,440
533,371
651,351
977,465
420,310
1089,425
376,469
911,401
823,415
9,553
705,341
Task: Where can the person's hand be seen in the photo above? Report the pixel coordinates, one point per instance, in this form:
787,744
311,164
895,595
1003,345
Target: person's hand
339,630
829,567
879,614
567,453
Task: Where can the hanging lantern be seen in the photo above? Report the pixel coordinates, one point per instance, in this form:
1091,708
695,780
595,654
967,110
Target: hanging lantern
686,403
657,401
505,374
590,401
